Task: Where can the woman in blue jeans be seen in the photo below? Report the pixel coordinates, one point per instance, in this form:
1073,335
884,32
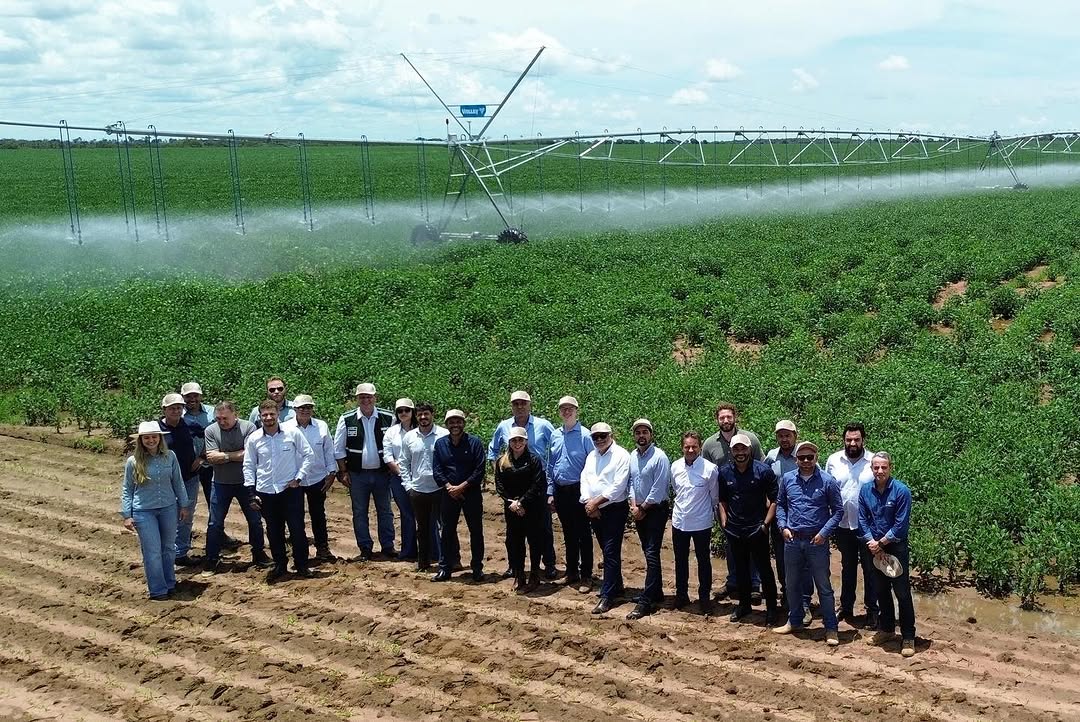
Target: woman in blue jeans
152,500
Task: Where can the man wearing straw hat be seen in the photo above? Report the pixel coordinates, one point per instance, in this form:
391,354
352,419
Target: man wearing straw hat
884,519
323,470
182,443
458,468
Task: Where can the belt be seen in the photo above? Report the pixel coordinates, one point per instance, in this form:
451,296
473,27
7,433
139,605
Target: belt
804,534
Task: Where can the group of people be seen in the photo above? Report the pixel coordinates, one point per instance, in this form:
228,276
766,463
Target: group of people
782,503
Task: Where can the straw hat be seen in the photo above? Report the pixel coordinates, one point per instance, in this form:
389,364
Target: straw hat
147,428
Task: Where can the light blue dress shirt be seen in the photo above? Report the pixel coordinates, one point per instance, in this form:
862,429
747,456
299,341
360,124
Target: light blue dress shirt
569,450
540,432
650,476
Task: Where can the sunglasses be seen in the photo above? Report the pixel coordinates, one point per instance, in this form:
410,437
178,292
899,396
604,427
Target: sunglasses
806,457
403,410
274,389
600,437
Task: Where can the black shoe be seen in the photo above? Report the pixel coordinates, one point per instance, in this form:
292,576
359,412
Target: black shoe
390,553
188,561
423,568
159,597
842,614
441,576
459,567
229,543
603,607
262,561
705,605
755,599
534,581
641,610
364,555
551,574
771,618
508,574
681,601
305,573
477,575
323,554
406,558
738,614
572,580
871,620
726,593
275,574
213,566
519,583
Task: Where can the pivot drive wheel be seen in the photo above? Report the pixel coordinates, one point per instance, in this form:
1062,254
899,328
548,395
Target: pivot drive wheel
512,235
424,234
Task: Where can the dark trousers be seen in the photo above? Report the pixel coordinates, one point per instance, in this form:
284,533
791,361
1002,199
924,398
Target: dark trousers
577,536
651,534
547,544
753,550
853,554
609,533
206,479
680,543
472,506
886,587
521,529
221,496
730,583
316,506
427,510
286,508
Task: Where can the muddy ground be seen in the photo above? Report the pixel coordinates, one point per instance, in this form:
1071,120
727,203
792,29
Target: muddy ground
79,639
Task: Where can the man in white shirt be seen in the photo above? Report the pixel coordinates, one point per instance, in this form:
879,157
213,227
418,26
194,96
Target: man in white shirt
362,468
275,462
323,470
605,482
418,477
851,468
694,480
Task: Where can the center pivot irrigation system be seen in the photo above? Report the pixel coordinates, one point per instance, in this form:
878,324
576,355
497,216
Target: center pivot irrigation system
480,160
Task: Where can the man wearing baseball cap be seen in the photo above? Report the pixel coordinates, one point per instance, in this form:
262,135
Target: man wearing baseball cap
539,432
196,413
322,472
605,482
182,443
747,505
570,445
458,468
362,468
809,507
275,391
650,481
782,460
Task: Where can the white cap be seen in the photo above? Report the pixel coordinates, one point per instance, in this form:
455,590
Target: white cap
148,427
568,401
740,439
172,400
520,396
641,422
190,388
365,389
455,414
518,432
303,400
600,428
805,445
786,425
405,403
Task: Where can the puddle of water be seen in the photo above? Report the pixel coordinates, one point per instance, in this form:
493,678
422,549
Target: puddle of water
1000,615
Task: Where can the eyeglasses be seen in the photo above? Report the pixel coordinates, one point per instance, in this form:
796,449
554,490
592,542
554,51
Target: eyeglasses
275,389
806,457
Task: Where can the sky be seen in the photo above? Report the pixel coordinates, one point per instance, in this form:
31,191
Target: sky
333,68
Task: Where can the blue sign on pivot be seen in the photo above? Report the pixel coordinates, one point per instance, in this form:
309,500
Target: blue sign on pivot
473,111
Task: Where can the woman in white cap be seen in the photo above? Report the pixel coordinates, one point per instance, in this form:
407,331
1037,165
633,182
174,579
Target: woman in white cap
153,498
405,414
521,482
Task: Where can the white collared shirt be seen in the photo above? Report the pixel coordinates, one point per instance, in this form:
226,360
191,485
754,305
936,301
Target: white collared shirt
606,475
697,493
417,450
370,458
851,475
318,436
271,462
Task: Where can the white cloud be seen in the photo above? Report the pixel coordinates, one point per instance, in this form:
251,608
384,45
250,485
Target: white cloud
691,95
894,62
721,69
804,81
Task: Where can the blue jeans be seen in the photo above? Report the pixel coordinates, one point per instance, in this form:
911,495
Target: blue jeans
366,485
886,586
609,533
157,535
798,554
651,534
183,529
408,520
680,543
221,497
781,569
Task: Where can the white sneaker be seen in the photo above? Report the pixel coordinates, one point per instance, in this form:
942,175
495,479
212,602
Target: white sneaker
832,638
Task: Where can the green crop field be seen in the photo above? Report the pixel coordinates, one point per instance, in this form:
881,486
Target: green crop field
820,317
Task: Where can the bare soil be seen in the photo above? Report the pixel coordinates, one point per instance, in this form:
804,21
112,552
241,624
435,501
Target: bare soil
685,353
375,640
953,289
752,349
